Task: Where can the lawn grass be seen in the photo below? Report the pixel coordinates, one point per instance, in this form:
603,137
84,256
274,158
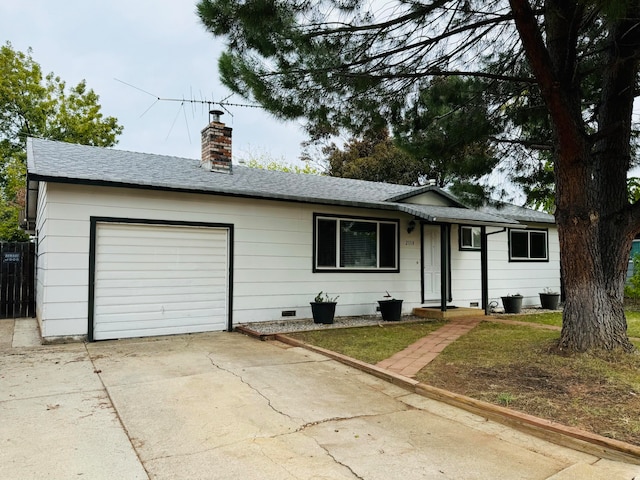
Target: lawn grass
517,366
555,318
369,344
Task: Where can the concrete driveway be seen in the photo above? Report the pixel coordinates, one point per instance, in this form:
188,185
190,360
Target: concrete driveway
226,406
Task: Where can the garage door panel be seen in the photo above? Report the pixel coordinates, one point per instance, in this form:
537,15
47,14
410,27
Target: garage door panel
162,302
112,243
143,254
118,261
155,331
115,244
158,280
124,309
147,274
151,283
148,319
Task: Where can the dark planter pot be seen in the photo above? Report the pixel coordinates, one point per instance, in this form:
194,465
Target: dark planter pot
391,310
549,301
512,304
323,312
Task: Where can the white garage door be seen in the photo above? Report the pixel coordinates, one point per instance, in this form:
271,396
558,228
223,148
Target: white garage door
159,280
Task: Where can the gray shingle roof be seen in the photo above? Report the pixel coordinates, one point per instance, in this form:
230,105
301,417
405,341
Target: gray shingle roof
520,214
71,163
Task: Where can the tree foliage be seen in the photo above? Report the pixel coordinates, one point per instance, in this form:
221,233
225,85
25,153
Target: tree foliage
40,106
561,76
374,157
443,137
277,166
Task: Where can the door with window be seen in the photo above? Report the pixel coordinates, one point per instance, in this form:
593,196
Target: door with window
431,263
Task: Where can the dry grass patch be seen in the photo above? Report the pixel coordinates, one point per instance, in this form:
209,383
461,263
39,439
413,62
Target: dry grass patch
517,366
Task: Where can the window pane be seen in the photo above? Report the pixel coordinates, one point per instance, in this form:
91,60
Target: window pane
470,237
519,244
388,245
466,237
538,242
326,243
358,244
476,242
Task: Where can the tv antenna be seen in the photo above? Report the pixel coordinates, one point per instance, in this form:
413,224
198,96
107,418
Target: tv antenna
210,104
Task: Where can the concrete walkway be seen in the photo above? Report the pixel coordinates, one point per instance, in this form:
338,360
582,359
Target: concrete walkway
416,356
226,406
19,332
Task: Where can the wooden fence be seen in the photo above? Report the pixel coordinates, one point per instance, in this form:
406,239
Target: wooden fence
17,280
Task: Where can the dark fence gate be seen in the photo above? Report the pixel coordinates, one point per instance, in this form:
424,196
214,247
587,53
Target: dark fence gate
17,280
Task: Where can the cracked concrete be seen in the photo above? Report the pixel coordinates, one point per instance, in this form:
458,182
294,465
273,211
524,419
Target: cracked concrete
226,406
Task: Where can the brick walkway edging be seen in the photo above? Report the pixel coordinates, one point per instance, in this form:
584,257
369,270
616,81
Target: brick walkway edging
553,432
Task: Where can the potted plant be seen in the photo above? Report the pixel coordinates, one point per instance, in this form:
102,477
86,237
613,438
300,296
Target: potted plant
323,309
549,299
512,303
390,308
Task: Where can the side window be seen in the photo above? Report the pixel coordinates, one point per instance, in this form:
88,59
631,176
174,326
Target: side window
470,238
528,246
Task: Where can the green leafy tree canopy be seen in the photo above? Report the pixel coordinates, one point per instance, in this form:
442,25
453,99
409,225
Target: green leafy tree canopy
37,105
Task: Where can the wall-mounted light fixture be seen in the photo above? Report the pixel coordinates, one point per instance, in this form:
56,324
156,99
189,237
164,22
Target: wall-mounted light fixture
411,226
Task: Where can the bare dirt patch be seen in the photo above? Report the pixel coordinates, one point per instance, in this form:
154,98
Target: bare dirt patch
600,394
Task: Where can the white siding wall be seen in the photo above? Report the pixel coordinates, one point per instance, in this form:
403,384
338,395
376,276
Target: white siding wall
41,248
526,278
272,258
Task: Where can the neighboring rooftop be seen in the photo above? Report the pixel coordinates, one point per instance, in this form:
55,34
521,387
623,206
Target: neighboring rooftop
61,162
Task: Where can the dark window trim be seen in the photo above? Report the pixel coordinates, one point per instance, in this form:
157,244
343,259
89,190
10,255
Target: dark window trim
315,269
529,260
93,229
463,247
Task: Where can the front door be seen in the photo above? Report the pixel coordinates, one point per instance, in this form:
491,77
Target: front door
431,263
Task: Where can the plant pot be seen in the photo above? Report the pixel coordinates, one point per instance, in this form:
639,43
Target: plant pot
512,304
391,310
323,312
549,301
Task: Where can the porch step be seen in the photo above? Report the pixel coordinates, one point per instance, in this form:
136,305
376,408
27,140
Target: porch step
451,312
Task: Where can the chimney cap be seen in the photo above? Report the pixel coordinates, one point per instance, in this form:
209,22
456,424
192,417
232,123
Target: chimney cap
215,115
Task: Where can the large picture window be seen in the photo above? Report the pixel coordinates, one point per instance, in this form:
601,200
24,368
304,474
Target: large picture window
355,244
528,246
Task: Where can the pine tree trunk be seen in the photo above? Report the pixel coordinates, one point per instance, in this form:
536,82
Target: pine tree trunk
596,224
593,316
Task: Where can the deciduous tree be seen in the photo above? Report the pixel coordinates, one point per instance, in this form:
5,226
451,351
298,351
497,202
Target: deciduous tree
40,106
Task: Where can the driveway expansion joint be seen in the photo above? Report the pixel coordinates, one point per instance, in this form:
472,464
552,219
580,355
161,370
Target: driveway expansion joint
112,404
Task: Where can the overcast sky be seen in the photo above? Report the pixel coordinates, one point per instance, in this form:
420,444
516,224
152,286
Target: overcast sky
157,46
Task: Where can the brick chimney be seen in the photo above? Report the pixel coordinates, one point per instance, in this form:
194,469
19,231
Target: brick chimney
216,145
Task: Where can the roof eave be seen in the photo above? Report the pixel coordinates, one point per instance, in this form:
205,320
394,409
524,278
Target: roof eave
223,192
